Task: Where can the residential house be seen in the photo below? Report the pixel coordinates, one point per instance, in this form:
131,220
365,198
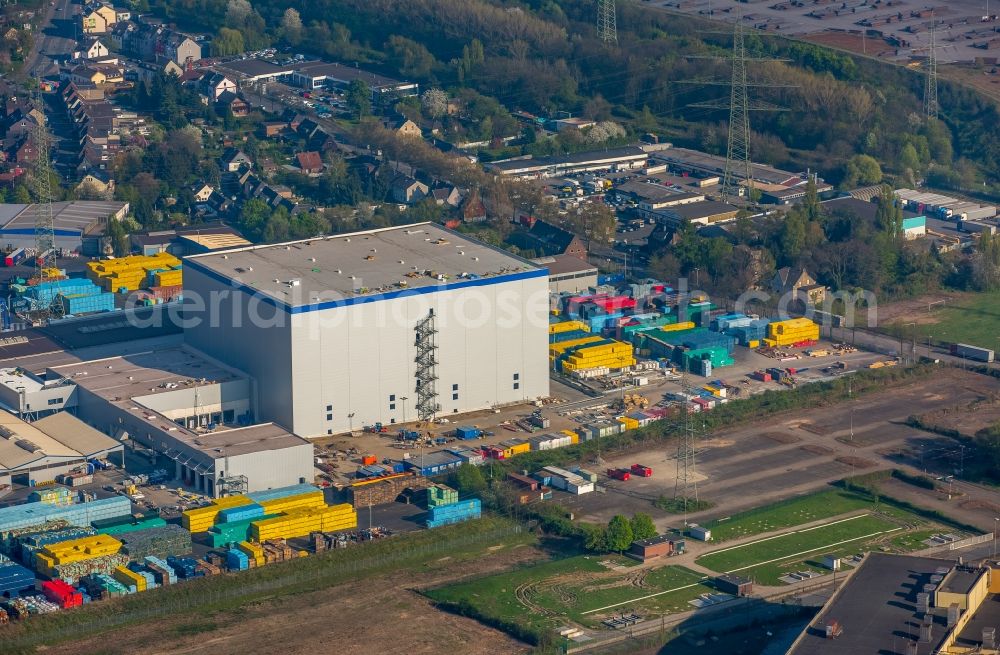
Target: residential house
96,183
232,103
271,129
97,18
119,33
214,85
548,240
473,210
178,48
306,128
201,191
26,152
447,195
322,141
232,159
122,15
403,127
147,72
309,162
796,280
94,49
405,189
88,75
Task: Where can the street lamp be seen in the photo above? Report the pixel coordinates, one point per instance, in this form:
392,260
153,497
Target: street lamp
404,399
350,419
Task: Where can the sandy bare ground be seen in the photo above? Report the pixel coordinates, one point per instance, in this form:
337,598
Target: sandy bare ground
918,310
378,614
969,418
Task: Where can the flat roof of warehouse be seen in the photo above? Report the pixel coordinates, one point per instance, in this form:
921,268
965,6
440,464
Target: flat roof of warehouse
110,327
876,609
612,154
336,71
243,441
118,379
254,68
560,264
75,216
331,270
717,164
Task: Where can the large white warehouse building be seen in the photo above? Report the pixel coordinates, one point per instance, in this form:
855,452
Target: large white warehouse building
390,325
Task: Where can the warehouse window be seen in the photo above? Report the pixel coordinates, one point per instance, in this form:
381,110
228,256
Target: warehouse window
517,376
392,405
329,431
228,415
454,396
329,417
454,387
392,397
517,385
55,401
329,408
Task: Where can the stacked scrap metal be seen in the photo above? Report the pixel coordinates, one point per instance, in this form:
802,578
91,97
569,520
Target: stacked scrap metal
162,573
159,542
75,570
53,496
26,545
74,550
101,586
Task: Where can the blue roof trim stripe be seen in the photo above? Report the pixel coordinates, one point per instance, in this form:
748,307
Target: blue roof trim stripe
31,231
360,300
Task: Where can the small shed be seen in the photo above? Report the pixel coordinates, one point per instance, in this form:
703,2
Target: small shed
523,481
734,584
645,549
831,562
695,531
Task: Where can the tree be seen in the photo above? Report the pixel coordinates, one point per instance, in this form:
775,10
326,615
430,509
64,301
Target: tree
619,534
253,218
468,479
810,204
21,195
909,159
291,26
412,58
861,170
643,527
359,98
889,215
228,42
595,538
605,131
434,103
119,237
793,236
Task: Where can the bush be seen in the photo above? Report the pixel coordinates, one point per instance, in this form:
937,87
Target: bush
921,481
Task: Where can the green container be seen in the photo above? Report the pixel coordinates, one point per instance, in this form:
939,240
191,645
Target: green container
221,534
152,522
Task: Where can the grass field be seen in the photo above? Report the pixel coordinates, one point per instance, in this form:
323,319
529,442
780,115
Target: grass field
972,319
577,588
787,514
765,559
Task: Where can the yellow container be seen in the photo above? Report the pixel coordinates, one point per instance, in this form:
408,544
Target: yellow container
630,423
676,327
568,326
574,438
310,499
556,349
753,344
201,519
128,577
301,522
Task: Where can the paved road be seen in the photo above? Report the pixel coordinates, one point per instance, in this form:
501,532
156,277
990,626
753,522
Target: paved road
57,39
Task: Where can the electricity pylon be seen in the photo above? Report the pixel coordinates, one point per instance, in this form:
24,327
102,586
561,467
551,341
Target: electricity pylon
45,305
931,86
607,26
739,104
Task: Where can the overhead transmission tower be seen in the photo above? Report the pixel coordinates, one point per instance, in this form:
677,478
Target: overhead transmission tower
607,25
45,305
931,85
740,104
685,479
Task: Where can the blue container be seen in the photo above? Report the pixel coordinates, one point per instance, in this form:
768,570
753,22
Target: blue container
466,432
237,560
15,579
240,513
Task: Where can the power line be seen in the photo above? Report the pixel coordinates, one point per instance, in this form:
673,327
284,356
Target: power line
45,305
607,26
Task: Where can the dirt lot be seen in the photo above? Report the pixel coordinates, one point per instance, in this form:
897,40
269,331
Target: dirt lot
852,43
347,618
919,310
796,453
967,419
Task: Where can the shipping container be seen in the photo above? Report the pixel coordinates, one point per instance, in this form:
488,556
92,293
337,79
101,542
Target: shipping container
15,257
976,353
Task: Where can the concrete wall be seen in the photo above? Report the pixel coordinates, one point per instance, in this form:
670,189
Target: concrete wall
360,359
572,283
269,470
61,397
262,352
211,401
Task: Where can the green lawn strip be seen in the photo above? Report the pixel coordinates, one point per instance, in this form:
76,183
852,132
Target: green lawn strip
787,514
915,540
795,544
